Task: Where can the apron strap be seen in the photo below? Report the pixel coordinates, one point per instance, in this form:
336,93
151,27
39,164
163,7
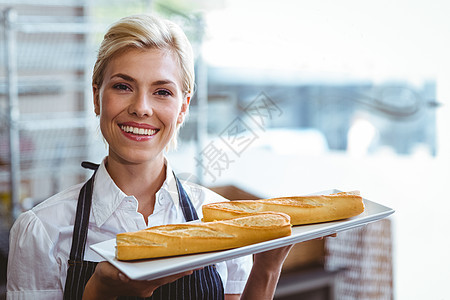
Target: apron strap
89,165
189,212
75,282
80,228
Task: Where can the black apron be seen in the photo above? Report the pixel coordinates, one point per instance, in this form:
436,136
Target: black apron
202,284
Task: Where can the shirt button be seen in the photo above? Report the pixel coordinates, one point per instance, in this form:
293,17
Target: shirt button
160,199
130,203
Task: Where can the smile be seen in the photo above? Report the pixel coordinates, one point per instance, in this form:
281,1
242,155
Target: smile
138,131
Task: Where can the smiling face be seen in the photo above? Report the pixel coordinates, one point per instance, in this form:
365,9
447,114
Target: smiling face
140,103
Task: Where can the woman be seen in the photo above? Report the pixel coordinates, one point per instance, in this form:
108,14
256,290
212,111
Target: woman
142,85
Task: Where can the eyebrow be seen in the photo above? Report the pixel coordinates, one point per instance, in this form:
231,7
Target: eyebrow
155,83
124,76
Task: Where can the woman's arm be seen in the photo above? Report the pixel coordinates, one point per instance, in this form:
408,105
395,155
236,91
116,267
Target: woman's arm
33,270
265,273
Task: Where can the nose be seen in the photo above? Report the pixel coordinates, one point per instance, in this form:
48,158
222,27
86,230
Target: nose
141,105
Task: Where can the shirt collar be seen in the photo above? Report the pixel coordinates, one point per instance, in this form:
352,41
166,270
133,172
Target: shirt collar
107,196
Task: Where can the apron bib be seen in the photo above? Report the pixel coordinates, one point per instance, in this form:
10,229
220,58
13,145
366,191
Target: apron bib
202,284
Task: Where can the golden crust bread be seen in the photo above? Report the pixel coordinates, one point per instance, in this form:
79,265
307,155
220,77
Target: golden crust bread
301,209
178,239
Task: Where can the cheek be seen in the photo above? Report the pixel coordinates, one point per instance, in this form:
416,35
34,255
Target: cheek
105,126
170,120
108,112
170,114
110,106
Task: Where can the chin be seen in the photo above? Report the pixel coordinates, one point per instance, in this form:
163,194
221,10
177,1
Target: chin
137,157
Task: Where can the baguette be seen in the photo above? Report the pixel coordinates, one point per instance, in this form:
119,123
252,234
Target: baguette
301,209
178,239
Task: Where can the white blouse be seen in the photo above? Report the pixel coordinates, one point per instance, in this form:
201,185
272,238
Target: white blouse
41,238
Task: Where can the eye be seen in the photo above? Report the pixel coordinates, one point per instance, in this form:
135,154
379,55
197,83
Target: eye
163,92
121,87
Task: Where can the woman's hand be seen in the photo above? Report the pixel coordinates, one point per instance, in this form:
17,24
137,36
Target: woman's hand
265,273
108,282
272,260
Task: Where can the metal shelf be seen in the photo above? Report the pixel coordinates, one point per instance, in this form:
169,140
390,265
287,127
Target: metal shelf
48,126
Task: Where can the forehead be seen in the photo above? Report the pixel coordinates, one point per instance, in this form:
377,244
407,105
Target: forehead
146,65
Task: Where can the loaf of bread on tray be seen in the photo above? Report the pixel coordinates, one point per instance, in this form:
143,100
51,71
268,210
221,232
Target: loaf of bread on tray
178,239
301,209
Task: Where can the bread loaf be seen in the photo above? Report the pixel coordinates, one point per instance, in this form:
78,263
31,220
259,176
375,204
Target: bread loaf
301,209
178,239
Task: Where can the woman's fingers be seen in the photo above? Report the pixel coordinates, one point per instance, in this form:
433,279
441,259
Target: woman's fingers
109,278
273,258
145,288
169,279
331,235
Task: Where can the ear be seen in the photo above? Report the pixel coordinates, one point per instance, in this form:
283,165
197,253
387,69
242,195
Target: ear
96,94
184,109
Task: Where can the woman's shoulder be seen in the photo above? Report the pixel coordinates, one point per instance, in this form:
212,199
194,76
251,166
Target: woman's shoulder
51,214
69,195
60,206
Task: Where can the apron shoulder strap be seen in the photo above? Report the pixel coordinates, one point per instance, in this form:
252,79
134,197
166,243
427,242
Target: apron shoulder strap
90,165
189,212
80,228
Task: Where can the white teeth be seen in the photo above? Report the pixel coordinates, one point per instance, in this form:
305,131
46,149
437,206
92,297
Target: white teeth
135,130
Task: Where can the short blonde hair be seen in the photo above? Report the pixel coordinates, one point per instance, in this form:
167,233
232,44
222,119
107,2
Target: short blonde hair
147,32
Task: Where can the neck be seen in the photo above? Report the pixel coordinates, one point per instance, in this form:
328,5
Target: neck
139,180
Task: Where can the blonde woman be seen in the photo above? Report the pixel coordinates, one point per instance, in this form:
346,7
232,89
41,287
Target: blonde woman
142,85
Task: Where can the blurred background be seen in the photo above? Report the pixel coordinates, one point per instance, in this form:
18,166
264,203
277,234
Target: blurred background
292,98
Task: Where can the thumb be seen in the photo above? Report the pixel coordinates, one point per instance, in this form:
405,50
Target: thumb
123,278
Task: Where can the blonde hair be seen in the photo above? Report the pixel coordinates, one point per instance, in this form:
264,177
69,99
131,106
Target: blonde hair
147,32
